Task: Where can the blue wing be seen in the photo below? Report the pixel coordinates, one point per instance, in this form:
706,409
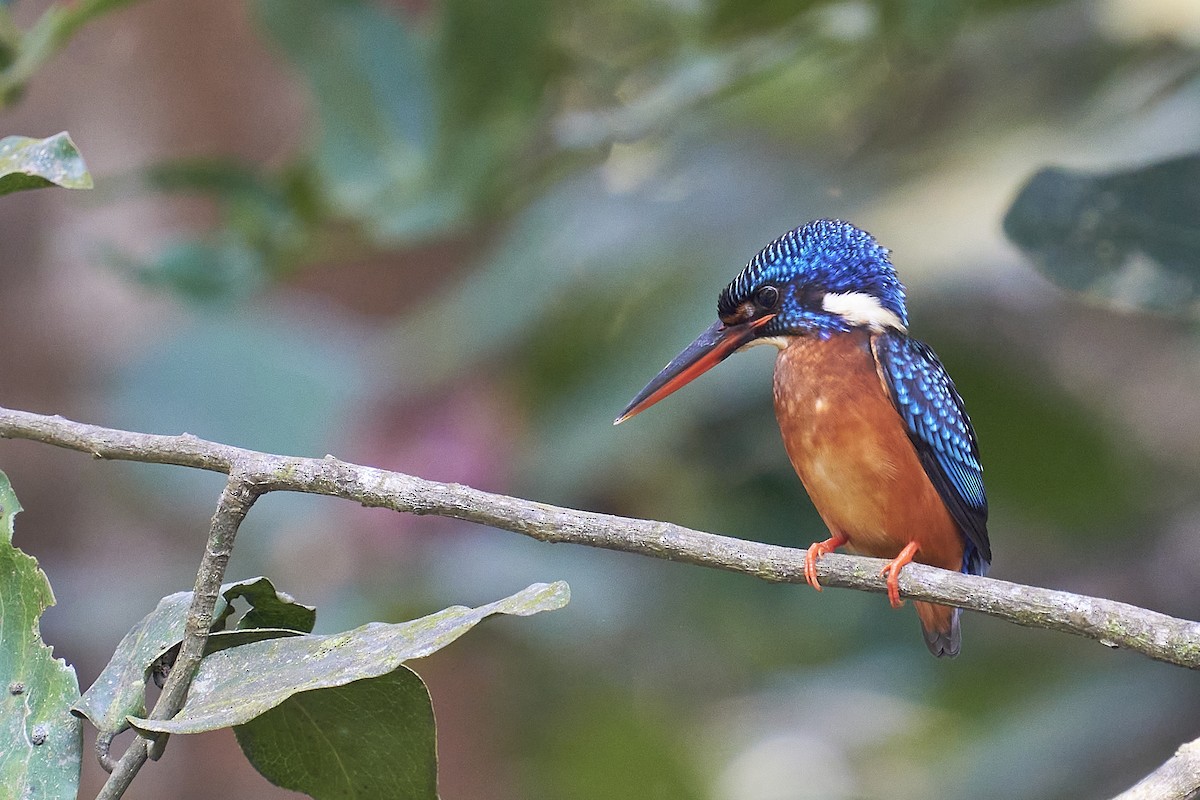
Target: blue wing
940,430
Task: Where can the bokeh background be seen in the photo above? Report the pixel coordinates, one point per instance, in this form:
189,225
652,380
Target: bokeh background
453,238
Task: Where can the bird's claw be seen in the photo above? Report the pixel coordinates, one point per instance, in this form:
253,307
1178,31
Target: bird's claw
891,571
815,551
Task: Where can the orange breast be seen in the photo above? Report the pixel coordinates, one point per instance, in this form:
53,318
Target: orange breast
849,447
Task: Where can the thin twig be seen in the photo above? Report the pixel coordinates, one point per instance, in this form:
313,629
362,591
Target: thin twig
237,498
1155,635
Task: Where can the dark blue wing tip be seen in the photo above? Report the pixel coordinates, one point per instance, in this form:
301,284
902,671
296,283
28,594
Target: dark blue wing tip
973,561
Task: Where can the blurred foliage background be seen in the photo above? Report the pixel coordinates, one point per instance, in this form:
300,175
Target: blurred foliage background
453,238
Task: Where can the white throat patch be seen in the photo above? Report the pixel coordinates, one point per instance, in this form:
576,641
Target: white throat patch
775,341
860,308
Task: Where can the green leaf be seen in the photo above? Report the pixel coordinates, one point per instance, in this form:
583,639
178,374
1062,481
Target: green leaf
234,686
120,690
1131,238
268,608
35,163
267,227
370,80
202,271
372,738
42,743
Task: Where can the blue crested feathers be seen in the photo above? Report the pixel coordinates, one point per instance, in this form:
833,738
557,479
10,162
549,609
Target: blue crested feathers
831,256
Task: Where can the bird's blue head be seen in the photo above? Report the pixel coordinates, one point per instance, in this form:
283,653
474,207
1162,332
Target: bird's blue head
823,278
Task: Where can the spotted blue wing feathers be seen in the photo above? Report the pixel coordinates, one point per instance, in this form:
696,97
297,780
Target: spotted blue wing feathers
941,432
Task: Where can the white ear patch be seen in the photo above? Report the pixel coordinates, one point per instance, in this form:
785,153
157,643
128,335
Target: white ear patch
860,308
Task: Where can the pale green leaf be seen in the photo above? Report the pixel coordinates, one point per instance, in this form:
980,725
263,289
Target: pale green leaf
34,163
120,690
234,686
40,741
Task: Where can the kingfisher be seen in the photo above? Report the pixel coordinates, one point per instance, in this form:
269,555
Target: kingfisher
870,419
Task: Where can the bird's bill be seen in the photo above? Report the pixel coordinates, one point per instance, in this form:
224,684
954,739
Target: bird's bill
710,348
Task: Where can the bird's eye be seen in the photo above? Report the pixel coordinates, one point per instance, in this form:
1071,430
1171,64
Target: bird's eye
766,298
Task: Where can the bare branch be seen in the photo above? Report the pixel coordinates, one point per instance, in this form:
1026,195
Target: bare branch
1158,636
237,498
1177,779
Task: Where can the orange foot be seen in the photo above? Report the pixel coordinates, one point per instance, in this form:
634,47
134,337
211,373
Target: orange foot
815,551
892,572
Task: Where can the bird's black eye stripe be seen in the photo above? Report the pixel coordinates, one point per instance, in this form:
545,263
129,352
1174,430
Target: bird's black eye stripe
766,298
